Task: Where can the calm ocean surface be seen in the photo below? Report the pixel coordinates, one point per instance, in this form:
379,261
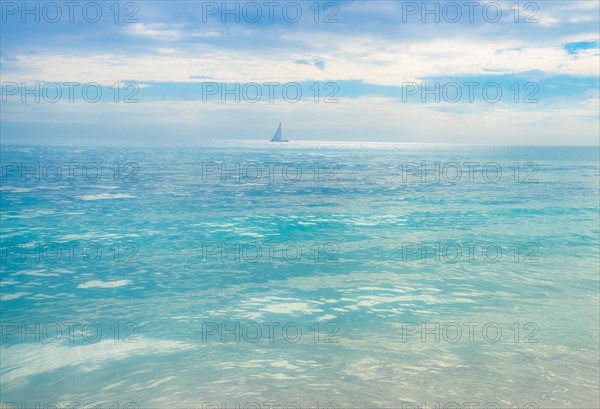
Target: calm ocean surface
329,275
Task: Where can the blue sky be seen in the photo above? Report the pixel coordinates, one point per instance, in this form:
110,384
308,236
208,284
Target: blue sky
367,55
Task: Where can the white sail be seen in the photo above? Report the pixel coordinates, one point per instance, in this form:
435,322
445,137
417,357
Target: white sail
277,136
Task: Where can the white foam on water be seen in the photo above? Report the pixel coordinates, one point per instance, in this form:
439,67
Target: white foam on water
15,189
105,196
104,284
291,308
23,360
13,296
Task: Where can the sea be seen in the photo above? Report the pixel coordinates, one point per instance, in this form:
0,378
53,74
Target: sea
322,275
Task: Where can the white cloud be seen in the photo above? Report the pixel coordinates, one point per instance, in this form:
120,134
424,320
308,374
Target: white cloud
374,60
158,31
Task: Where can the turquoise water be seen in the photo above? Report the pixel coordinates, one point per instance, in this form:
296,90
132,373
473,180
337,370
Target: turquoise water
160,252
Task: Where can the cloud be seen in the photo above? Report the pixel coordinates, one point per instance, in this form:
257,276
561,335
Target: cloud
320,64
371,59
370,45
157,31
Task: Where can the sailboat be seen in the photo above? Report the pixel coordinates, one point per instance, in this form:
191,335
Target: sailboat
277,136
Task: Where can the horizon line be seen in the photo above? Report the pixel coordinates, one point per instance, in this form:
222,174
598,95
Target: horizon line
292,142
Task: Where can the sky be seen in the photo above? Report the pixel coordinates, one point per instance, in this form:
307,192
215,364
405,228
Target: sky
153,73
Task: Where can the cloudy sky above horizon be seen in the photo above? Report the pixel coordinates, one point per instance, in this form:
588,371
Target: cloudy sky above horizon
340,70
